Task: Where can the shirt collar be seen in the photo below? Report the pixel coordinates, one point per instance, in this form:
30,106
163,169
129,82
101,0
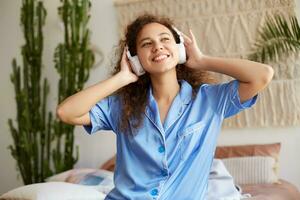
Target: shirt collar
186,92
183,98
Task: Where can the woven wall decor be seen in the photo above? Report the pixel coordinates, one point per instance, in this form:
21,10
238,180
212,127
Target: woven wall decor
228,28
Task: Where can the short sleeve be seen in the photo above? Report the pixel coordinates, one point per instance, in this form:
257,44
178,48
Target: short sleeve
103,115
225,98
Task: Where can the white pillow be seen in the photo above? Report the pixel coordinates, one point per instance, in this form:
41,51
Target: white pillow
53,191
252,170
61,177
99,179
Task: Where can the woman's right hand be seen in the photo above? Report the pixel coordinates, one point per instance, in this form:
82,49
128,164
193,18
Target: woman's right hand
126,69
85,99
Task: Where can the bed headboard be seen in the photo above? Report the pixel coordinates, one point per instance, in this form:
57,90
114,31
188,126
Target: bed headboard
227,152
110,164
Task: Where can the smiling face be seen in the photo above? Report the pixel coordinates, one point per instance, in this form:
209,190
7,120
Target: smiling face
156,48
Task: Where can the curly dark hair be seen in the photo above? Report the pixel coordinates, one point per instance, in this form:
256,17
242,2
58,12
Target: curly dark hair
134,96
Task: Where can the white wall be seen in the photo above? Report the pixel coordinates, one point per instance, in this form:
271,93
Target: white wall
95,149
9,41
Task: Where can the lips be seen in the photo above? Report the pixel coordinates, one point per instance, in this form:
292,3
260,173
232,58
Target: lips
160,57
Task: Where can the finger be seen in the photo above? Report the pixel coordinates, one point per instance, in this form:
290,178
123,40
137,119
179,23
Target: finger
124,56
186,38
192,35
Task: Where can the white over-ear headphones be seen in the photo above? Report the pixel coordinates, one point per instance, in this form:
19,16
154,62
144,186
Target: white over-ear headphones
181,47
135,62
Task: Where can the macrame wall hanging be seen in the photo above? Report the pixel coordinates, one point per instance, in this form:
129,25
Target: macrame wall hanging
228,28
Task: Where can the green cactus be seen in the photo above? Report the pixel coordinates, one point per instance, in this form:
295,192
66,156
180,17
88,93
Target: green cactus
73,61
31,137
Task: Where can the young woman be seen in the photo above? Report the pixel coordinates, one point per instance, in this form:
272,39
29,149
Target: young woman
167,120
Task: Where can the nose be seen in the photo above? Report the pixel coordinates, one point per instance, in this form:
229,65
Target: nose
157,47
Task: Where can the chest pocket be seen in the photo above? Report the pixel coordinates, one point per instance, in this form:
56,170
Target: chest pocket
189,140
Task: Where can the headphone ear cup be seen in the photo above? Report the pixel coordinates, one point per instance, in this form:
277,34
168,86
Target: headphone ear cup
181,47
135,64
182,53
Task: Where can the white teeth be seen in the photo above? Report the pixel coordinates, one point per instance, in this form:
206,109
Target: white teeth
159,58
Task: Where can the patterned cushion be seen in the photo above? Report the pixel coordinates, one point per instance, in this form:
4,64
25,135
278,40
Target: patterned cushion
271,150
251,170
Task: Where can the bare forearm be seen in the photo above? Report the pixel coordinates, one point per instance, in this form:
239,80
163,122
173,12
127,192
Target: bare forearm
243,70
81,102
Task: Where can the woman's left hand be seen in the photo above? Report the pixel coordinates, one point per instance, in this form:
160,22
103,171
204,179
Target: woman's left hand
193,53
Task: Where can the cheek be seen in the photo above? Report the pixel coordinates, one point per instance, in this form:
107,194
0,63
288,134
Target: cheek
175,53
143,58
176,49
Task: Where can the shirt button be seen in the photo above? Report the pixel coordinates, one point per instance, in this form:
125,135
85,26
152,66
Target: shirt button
161,149
154,192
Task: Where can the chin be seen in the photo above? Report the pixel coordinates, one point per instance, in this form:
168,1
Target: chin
161,69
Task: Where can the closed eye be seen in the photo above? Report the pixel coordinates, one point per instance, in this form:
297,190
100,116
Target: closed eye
165,39
146,44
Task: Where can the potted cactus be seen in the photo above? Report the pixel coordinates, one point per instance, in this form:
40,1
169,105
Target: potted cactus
32,134
73,60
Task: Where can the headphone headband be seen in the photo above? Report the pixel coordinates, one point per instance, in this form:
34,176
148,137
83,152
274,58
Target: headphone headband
181,40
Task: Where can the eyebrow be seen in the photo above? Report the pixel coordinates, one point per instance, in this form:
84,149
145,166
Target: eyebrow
147,38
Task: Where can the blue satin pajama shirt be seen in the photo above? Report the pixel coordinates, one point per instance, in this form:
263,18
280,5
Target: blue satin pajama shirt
172,160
